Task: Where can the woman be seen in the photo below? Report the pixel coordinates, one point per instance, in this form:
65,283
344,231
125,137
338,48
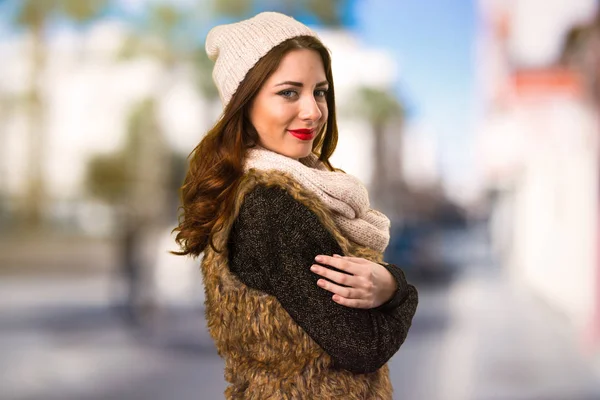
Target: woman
298,300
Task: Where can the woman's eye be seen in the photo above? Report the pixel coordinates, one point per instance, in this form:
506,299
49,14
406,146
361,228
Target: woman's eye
321,92
288,94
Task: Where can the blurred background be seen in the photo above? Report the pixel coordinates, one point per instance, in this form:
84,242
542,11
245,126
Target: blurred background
473,123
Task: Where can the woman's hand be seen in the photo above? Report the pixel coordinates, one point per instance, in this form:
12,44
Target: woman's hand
369,284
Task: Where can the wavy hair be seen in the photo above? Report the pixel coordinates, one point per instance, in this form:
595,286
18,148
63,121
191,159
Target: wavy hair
216,164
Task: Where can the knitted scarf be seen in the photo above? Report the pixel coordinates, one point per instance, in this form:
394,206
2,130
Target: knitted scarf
342,193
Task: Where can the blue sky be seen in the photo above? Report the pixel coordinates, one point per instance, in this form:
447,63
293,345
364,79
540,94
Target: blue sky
433,46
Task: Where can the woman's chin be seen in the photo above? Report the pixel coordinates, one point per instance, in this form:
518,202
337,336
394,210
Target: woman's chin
304,152
296,150
293,150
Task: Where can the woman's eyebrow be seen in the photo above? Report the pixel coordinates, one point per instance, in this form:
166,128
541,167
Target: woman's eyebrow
300,84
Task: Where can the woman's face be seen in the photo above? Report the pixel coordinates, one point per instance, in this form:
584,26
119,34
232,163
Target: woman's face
291,108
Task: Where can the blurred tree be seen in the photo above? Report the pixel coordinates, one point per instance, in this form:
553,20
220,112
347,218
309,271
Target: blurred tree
35,16
107,177
234,8
382,109
147,173
328,12
131,179
163,38
135,181
80,11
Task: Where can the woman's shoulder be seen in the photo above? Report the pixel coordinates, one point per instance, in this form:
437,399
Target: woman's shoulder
280,198
271,217
269,199
275,189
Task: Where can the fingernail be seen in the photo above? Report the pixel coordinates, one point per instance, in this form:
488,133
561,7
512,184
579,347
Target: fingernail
337,256
313,268
319,258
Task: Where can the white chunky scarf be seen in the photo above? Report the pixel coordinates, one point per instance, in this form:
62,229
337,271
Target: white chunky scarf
342,193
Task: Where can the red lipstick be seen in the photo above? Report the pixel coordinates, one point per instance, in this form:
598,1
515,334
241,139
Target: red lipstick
303,134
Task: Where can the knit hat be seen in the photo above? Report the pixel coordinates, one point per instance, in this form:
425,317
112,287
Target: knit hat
236,48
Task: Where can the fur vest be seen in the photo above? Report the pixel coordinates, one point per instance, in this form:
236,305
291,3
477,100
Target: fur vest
267,355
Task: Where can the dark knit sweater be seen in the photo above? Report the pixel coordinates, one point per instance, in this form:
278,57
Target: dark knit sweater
273,243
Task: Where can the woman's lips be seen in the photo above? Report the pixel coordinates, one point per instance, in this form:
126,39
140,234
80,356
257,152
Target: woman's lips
303,134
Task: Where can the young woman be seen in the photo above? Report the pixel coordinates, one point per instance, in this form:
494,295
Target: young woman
298,299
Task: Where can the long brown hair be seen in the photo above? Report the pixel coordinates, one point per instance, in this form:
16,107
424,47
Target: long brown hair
216,164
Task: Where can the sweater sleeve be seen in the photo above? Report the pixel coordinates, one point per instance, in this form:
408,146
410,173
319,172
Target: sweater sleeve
401,290
272,245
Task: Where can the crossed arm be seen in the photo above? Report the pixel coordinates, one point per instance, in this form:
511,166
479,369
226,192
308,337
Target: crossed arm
273,245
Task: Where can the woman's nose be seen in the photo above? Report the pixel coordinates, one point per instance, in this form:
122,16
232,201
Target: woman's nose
310,110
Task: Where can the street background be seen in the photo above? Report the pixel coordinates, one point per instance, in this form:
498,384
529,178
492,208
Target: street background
474,124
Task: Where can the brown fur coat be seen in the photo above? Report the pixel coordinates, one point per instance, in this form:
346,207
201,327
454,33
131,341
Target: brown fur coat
267,355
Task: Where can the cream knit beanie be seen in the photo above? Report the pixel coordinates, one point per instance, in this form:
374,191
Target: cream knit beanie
235,48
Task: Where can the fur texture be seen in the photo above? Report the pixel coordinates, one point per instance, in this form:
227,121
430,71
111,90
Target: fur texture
267,355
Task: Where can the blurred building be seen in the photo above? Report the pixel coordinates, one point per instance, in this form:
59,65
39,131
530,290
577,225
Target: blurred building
538,145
